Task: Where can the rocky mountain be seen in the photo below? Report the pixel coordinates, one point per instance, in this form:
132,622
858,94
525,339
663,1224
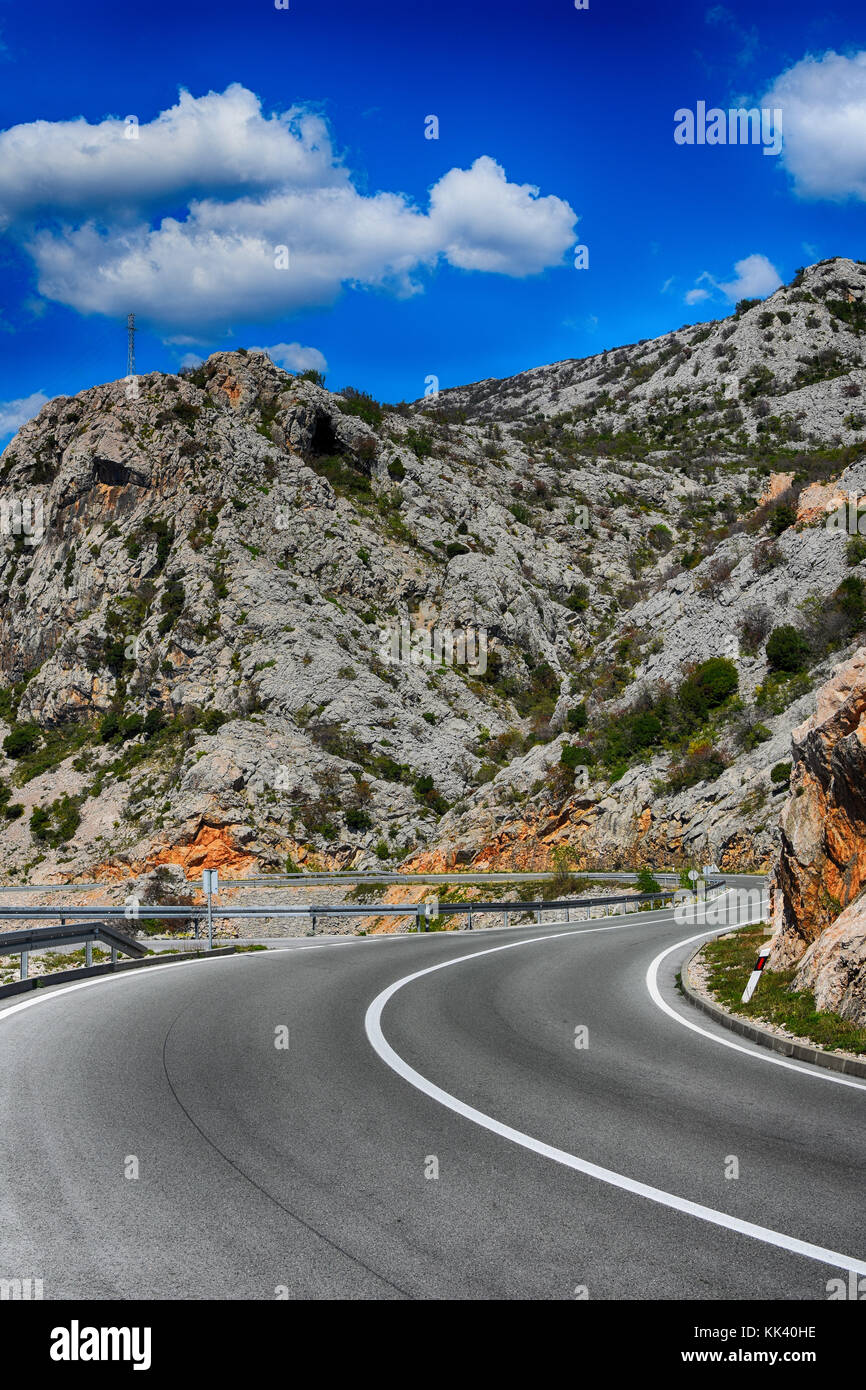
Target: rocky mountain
249,621
820,874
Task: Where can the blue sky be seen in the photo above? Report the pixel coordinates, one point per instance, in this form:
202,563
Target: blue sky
407,257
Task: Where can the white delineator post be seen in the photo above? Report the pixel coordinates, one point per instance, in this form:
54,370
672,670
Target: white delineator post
756,973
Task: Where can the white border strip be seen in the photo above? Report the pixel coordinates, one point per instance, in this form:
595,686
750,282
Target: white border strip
44,996
762,1054
383,1049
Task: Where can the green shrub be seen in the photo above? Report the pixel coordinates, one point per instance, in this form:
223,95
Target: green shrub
171,605
707,687
781,772
131,726
660,537
57,824
646,730
109,726
855,550
702,763
155,721
346,481
781,518
787,649
164,533
759,733
420,443
425,792
851,600
356,819
23,739
646,882
576,717
361,404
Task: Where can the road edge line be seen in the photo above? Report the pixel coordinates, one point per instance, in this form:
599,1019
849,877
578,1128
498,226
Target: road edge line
832,1259
803,1052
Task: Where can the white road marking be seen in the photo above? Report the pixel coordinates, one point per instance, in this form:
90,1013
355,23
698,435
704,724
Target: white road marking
54,993
761,1054
392,1059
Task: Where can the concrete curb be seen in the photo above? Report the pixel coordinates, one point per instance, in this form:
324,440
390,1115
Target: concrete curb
802,1052
61,977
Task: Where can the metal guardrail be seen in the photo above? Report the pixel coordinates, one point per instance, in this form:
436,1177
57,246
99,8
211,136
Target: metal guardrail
323,879
88,930
22,942
197,913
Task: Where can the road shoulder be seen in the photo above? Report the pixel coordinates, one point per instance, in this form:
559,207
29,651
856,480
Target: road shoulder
774,1038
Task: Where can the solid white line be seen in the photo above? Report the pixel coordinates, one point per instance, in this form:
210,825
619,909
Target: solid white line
392,1059
761,1054
45,997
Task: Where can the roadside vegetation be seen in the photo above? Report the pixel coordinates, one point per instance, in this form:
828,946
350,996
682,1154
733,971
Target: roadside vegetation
730,961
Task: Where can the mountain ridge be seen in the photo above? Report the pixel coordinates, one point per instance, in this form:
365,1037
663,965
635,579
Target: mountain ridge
227,554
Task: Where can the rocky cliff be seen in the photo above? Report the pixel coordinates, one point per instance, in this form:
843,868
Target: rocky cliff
247,620
821,866
820,873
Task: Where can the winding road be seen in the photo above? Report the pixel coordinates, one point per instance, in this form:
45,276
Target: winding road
431,1131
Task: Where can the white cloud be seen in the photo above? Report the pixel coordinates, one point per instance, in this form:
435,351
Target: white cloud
14,414
755,278
220,144
249,184
292,357
823,103
483,222
190,359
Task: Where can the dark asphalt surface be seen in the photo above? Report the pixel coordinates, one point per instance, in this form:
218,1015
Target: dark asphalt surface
304,1169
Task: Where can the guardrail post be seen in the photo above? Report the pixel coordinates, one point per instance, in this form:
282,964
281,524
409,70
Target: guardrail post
25,961
313,920
507,916
88,954
470,919
114,955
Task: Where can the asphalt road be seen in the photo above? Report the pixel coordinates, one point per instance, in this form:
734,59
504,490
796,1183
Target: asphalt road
305,1169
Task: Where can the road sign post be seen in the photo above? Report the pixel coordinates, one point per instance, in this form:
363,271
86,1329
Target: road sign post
210,884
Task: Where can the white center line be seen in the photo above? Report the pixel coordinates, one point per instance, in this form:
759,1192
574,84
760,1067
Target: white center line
392,1059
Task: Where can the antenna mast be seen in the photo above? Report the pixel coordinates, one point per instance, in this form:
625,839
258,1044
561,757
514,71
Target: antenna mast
130,351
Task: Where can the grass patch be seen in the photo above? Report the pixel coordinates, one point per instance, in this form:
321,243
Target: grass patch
731,960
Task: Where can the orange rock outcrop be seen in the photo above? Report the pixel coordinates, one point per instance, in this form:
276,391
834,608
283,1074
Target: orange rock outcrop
821,867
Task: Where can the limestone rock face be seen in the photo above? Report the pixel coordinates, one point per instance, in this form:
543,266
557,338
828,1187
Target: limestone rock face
821,866
232,554
834,966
